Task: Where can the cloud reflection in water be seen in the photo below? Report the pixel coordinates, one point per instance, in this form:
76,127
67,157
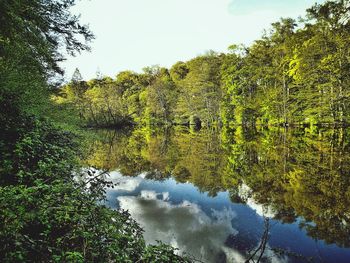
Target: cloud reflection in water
184,226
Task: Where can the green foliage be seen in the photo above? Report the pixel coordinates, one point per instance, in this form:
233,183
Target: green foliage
31,33
162,253
200,92
49,216
296,74
157,96
66,223
40,152
37,29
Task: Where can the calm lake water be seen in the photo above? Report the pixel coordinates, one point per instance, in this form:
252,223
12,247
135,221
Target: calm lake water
231,195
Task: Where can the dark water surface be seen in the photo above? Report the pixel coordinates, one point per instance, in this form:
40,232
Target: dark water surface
227,196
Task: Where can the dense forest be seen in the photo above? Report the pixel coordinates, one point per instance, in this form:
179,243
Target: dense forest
296,74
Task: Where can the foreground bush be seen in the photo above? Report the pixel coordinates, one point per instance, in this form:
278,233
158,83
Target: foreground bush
47,216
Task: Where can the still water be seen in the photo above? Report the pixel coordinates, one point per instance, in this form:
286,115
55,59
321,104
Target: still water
233,195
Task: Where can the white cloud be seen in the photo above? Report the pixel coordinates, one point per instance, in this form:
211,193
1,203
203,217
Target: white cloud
123,183
149,195
185,226
245,192
232,255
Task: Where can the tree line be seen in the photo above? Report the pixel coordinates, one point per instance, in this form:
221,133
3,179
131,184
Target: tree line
297,73
187,93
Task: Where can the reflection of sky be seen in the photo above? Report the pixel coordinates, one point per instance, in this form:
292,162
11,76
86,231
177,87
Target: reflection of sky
184,226
211,229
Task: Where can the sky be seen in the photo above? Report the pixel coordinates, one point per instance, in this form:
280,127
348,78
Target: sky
133,34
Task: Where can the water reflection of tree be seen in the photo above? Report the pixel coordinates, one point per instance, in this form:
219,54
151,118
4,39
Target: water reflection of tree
298,173
294,172
188,156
